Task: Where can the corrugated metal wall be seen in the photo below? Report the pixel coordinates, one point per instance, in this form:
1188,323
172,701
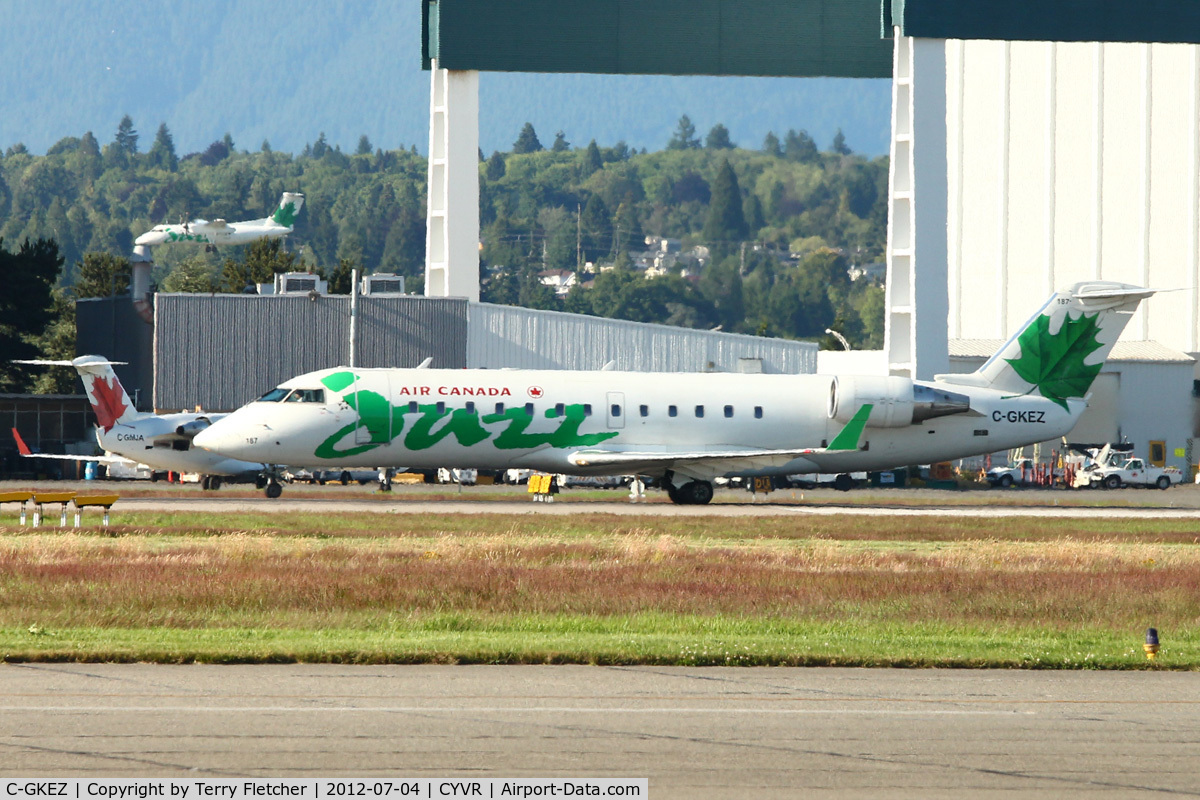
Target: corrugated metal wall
220,351
505,336
110,327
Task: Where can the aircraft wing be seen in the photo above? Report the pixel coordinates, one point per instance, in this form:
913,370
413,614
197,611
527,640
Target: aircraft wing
724,459
24,450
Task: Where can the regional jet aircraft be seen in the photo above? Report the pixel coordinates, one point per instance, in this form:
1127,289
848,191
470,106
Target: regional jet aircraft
160,441
221,232
688,429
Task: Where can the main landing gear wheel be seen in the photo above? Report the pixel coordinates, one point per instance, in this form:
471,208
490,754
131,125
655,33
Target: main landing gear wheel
843,483
273,490
692,493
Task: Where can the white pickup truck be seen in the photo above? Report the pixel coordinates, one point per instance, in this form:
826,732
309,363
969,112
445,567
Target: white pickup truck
1132,472
1019,473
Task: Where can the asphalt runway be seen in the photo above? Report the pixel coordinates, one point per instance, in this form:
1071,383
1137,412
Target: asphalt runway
215,503
693,732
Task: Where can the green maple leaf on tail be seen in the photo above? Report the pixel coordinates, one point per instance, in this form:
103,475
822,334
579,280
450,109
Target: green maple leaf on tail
1053,363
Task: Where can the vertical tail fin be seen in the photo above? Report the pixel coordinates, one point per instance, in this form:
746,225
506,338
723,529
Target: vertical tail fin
289,208
1060,350
107,396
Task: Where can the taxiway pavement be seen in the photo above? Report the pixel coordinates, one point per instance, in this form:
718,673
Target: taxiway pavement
694,732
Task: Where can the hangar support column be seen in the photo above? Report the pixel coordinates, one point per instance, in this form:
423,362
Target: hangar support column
917,302
452,203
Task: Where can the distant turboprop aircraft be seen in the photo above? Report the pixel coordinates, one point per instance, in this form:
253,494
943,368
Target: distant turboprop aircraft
688,429
221,232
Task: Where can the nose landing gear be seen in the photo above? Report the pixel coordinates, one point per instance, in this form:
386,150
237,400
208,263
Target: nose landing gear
268,481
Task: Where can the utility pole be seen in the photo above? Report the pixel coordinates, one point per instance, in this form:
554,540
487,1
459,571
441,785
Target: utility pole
578,237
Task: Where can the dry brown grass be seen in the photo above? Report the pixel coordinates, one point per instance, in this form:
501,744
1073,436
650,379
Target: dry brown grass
254,580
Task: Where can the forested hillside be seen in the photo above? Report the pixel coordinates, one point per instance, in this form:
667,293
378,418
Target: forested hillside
701,234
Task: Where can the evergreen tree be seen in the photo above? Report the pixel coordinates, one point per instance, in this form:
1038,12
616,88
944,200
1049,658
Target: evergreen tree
192,275
561,144
726,224
495,167
771,145
263,260
126,138
340,280
684,137
26,306
799,146
527,141
57,343
364,146
162,152
102,275
592,162
595,229
839,144
718,138
752,210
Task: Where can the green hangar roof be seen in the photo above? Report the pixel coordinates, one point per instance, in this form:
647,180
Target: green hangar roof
1049,20
673,37
800,38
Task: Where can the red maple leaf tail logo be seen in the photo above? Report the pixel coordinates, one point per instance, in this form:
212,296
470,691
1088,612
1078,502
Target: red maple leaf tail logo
108,401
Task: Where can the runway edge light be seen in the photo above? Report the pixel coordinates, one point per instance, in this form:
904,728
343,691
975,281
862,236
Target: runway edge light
1151,645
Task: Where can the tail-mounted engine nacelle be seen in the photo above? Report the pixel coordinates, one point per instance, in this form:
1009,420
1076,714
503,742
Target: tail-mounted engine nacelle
897,401
190,429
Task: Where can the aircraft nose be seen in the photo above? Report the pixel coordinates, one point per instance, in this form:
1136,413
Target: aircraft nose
151,237
221,438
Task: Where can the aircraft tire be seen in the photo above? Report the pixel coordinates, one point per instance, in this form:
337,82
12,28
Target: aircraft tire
673,494
204,483
345,478
273,490
214,482
843,483
697,493
1163,482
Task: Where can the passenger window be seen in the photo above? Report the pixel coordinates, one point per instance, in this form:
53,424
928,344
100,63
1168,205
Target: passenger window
616,410
587,409
529,409
758,412
412,406
441,407
644,410
470,406
699,411
499,408
559,409
672,411
728,411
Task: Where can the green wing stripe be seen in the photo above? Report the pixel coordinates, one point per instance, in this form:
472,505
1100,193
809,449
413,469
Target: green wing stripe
848,438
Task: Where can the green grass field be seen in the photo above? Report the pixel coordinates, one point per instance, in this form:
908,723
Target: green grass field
596,588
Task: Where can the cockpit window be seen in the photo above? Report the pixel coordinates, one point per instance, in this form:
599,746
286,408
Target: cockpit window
306,396
274,396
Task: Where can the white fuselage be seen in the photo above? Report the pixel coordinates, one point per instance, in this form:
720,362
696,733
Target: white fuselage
494,419
217,232
151,440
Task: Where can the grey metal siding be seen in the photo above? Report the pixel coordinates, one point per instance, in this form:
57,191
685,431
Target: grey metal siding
110,327
404,331
220,351
506,336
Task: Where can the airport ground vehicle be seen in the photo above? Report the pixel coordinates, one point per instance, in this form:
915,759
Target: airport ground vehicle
1131,472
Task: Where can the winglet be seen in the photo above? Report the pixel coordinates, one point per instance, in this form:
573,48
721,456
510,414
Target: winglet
848,438
22,448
